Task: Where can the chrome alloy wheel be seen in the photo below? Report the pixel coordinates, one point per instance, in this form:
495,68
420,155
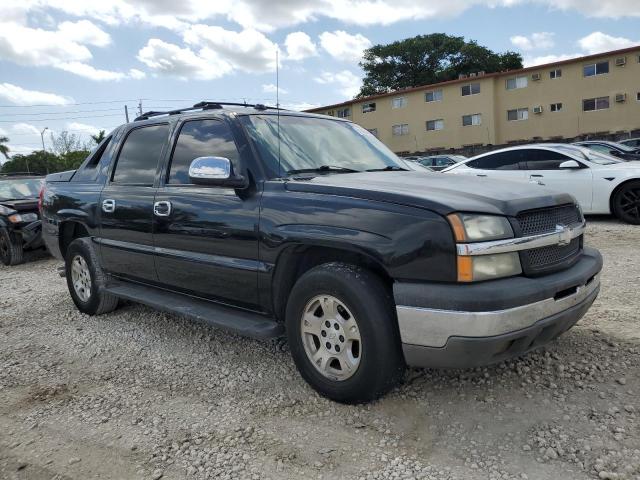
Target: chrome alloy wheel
331,337
81,278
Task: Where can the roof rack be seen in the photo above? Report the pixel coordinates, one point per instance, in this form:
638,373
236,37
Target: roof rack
205,106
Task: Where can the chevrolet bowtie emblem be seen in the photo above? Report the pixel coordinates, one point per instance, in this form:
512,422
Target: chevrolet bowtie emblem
564,234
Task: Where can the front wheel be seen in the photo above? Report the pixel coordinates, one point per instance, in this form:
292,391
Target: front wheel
343,334
85,279
11,252
626,203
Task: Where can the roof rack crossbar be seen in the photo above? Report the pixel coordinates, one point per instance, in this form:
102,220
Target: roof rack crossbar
205,105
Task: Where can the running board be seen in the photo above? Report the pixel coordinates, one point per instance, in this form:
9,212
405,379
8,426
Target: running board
239,321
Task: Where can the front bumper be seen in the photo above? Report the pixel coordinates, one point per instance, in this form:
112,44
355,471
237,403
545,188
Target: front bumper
459,326
31,234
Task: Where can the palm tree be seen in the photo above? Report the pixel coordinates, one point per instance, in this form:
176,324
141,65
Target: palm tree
98,137
4,149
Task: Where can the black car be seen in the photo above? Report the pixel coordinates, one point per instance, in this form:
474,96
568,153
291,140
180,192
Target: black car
268,222
20,226
616,149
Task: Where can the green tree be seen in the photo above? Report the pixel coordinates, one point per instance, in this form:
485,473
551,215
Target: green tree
38,162
98,137
4,149
65,142
427,59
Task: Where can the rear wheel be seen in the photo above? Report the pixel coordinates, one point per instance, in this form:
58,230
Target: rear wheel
85,279
11,252
626,203
343,334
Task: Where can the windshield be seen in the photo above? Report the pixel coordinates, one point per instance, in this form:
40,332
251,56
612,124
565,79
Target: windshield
591,155
308,143
622,146
20,188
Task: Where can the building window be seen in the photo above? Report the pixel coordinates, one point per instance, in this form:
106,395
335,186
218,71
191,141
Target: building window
435,124
518,114
638,96
557,73
474,119
516,82
591,104
344,112
471,89
599,68
402,129
368,107
556,107
373,131
399,102
331,113
433,96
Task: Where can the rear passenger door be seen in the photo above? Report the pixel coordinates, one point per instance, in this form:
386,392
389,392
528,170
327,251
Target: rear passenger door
206,237
126,205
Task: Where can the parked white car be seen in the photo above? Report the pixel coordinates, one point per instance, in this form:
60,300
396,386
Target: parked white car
601,183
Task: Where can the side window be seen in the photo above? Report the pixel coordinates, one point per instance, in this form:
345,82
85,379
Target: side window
140,154
544,159
498,161
89,171
201,138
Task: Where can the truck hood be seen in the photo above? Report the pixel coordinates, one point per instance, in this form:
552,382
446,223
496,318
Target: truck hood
438,192
29,204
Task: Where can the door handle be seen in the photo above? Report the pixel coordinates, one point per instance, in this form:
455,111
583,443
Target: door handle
162,209
536,176
481,175
108,205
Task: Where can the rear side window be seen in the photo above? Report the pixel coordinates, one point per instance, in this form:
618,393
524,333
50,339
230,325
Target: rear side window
201,138
89,171
140,154
498,161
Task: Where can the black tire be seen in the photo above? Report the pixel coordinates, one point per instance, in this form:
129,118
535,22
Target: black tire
626,202
11,252
99,301
381,364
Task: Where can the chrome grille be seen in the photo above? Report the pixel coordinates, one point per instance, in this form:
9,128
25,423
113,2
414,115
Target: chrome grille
544,220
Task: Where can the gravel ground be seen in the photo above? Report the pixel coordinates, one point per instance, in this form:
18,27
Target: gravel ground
143,394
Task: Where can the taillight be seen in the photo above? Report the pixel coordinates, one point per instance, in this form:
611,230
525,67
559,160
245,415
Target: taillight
40,197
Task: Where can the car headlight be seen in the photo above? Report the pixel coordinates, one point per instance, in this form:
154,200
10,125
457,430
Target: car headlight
25,217
483,228
6,210
470,227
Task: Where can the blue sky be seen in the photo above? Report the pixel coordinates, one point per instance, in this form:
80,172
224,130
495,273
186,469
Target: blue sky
74,64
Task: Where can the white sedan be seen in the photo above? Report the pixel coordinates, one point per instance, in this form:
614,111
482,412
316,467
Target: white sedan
601,183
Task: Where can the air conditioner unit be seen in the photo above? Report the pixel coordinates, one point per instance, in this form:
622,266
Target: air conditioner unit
482,72
472,74
620,61
621,97
462,75
535,76
537,109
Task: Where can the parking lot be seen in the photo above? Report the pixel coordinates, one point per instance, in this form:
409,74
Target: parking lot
144,394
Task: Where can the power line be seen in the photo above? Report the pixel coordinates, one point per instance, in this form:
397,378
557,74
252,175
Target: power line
70,104
61,113
65,118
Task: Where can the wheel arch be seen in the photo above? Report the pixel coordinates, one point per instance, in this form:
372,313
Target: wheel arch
617,188
295,260
68,231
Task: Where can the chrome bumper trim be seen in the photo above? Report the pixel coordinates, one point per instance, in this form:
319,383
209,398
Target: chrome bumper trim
562,236
433,327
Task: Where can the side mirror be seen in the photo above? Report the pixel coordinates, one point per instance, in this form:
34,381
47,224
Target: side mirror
215,171
571,164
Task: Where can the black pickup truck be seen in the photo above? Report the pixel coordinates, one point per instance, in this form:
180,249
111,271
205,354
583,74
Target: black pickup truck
269,222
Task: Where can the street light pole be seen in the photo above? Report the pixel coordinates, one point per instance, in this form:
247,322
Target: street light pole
44,151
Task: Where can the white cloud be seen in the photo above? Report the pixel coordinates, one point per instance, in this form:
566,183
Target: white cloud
25,129
299,46
347,82
84,32
169,59
344,46
300,106
136,74
21,96
247,50
82,128
598,42
537,41
271,88
544,59
87,71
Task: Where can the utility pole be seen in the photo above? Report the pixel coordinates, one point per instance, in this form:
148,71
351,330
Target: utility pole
140,107
126,113
44,151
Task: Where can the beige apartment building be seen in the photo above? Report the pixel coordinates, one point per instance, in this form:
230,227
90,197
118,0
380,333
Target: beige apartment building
592,95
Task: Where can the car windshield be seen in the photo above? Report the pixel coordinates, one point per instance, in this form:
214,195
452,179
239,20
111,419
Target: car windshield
621,146
590,155
317,144
20,188
457,158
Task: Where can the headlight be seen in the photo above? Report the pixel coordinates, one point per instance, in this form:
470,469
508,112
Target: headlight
6,210
473,228
25,217
485,267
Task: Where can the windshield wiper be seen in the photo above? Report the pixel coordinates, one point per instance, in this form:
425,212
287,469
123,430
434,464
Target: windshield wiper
388,168
323,168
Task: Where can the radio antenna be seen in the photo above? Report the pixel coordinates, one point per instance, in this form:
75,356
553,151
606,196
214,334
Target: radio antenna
278,108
